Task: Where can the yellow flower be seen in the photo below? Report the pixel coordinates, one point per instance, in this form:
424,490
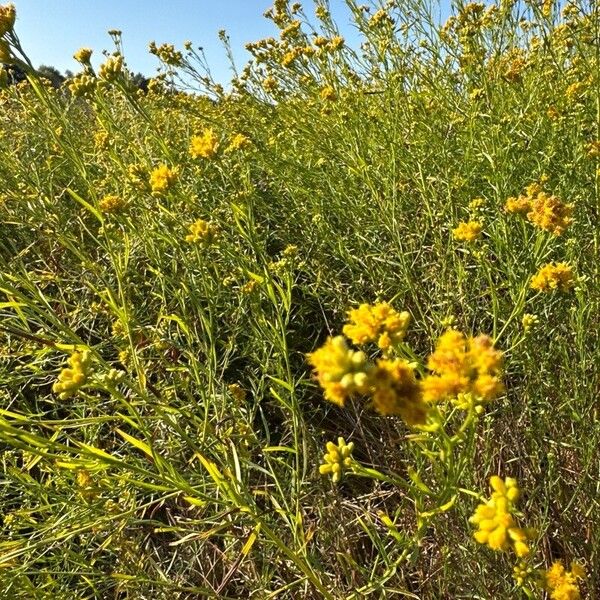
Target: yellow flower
167,53
378,323
239,142
522,573
74,376
204,145
528,321
202,231
562,584
337,459
463,365
549,213
112,68
161,179
270,84
553,276
111,204
495,521
543,210
575,91
476,204
328,94
8,15
593,149
396,391
83,55
467,232
82,85
520,205
340,370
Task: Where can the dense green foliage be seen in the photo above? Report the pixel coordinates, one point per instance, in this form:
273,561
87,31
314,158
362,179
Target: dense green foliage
159,479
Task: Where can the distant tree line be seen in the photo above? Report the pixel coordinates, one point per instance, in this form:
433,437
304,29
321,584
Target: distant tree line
56,78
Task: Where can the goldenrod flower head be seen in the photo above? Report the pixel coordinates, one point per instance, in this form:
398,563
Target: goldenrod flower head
239,142
379,323
495,521
74,376
162,178
112,68
396,391
166,53
204,145
593,149
549,213
337,42
82,85
562,584
463,365
379,18
575,91
8,15
522,573
111,204
204,232
270,84
553,276
528,321
467,232
328,94
83,55
520,205
340,370
337,459
291,30
476,204
249,286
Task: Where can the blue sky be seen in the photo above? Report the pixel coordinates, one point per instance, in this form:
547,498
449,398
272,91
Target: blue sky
52,30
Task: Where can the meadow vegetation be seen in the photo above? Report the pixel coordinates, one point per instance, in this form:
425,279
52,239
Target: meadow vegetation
330,331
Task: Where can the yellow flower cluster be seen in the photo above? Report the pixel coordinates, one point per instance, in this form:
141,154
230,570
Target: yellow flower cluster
203,232
8,15
83,55
204,145
495,521
467,232
543,210
562,584
166,53
161,179
111,204
337,459
328,94
593,149
463,365
239,142
82,85
112,68
378,323
465,370
341,371
74,376
553,276
396,391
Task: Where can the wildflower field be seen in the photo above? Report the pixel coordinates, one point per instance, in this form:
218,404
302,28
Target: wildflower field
330,331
